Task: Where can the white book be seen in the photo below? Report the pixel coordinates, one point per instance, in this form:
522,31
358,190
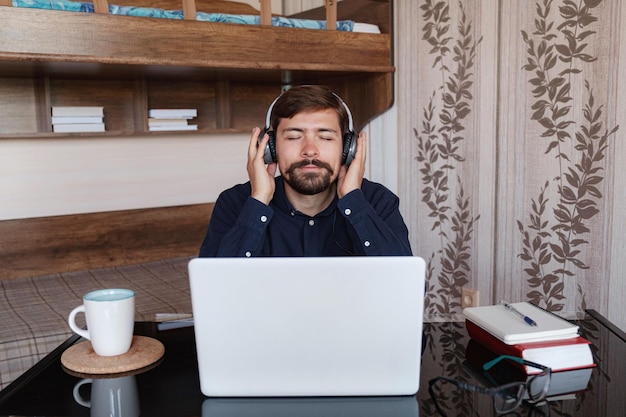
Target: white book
167,122
77,111
512,329
173,128
57,120
78,127
172,113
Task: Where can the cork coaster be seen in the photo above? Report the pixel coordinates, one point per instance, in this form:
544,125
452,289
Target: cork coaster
81,358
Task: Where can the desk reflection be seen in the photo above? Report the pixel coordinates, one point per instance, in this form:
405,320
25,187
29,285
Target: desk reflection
110,396
405,406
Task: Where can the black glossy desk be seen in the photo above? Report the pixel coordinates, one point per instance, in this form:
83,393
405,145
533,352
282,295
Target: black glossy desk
172,389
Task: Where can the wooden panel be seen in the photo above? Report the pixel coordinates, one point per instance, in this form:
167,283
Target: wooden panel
145,41
18,104
101,6
250,102
44,106
40,246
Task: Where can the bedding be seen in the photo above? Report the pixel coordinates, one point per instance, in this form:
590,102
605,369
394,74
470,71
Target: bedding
278,21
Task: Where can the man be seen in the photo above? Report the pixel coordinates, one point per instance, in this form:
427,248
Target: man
319,206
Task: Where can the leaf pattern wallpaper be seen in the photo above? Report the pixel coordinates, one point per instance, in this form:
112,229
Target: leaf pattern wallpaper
510,111
574,132
439,138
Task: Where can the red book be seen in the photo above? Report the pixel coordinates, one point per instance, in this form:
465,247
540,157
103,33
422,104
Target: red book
560,355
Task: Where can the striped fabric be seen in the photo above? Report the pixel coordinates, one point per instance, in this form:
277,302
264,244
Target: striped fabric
34,311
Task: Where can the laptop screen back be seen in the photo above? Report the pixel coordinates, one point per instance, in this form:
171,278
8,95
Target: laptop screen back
336,326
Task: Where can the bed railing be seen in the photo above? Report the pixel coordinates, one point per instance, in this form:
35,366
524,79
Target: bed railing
189,10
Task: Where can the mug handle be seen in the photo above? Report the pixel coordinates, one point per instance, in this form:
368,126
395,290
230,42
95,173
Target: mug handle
71,320
77,397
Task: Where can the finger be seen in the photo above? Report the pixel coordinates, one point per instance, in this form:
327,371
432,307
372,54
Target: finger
361,146
253,144
256,147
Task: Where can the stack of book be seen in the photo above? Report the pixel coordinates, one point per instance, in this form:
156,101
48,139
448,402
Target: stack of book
552,341
171,119
77,119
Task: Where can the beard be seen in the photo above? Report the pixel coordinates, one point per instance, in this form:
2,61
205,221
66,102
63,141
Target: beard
308,183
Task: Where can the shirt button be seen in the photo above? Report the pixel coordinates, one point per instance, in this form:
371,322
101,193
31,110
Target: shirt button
248,254
311,222
366,243
347,212
263,219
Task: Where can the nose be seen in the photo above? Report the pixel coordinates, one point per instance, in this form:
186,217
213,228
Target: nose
309,149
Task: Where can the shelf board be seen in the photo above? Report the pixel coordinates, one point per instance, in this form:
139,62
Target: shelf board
98,43
117,133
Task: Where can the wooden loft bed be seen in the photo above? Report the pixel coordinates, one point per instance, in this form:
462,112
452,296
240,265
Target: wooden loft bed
229,72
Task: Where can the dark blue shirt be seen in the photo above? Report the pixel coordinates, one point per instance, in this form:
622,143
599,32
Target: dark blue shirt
364,222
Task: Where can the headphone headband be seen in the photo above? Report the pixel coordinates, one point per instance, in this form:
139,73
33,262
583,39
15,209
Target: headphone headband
269,113
349,138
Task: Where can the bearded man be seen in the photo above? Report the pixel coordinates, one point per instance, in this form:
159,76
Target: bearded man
320,204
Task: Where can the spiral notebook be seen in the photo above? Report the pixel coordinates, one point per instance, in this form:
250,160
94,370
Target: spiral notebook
511,329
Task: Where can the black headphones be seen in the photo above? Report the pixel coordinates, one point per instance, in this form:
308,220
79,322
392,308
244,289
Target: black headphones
349,138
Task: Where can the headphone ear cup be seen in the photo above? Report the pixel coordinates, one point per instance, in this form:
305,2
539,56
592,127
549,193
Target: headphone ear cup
270,150
349,148
269,153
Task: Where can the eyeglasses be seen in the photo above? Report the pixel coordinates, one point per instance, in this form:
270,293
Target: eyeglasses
507,397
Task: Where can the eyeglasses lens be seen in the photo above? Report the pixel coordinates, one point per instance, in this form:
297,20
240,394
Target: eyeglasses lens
538,387
509,399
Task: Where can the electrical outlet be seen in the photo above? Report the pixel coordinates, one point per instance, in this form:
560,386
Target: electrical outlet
469,297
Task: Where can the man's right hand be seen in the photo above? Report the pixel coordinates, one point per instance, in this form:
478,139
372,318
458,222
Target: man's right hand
261,177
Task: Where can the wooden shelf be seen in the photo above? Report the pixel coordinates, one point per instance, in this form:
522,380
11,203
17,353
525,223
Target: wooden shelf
230,73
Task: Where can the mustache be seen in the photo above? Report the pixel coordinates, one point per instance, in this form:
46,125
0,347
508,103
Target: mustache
306,162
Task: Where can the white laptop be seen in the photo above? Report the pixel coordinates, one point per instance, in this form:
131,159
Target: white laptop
287,327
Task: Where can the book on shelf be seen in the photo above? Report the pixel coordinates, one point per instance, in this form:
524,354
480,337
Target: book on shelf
172,128
560,355
78,127
152,121
564,385
511,328
172,113
59,120
75,111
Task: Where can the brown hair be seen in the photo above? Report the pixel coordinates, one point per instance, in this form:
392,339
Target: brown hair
308,98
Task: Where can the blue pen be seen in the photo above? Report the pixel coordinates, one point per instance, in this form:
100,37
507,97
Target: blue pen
524,317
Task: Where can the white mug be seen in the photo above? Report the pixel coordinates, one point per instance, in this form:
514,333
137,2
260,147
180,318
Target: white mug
110,396
110,317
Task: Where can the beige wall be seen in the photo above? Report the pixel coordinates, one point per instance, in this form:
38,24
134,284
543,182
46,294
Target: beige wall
44,177
497,198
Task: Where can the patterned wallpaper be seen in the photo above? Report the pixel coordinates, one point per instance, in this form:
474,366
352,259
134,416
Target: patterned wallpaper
510,111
